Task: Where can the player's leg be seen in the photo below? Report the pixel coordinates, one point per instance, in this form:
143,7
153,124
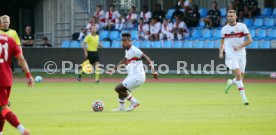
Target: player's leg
122,94
240,85
97,71
232,64
7,114
80,75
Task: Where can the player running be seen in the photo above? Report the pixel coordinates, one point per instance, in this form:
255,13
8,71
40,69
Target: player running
91,52
8,49
234,45
136,73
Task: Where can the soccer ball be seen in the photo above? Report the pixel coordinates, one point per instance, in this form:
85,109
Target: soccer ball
273,75
98,106
38,79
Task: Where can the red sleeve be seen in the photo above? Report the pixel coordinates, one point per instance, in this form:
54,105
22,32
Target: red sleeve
16,50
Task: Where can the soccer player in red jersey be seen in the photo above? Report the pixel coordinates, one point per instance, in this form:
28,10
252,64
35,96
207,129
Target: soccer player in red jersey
8,49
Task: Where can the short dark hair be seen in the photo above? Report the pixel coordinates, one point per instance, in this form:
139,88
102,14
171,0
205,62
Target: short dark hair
232,11
126,35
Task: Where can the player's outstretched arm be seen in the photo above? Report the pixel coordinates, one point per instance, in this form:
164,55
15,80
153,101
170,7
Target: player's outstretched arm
112,71
25,68
148,60
221,49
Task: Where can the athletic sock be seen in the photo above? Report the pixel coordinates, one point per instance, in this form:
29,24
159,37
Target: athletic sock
241,89
234,80
131,99
2,122
97,74
122,104
20,128
12,119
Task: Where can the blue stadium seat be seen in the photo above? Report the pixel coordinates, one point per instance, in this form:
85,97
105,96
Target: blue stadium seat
134,34
188,44
271,34
203,12
261,34
75,44
223,21
217,43
196,34
168,44
104,34
252,33
136,43
254,45
170,13
209,44
157,44
114,35
145,44
258,22
206,34
106,44
65,44
116,44
201,24
216,34
273,13
199,44
178,44
265,45
223,12
268,23
265,12
248,22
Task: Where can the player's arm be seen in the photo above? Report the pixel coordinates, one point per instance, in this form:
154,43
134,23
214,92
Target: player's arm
123,61
25,68
148,60
221,49
246,42
84,50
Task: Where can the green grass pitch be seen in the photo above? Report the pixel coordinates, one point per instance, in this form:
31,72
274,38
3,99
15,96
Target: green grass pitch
166,109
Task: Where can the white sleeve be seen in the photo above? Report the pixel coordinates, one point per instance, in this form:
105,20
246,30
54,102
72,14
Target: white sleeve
182,25
117,14
149,15
141,15
151,29
88,26
106,15
138,53
245,29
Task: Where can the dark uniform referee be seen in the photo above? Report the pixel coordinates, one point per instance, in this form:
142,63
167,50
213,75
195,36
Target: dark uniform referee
91,51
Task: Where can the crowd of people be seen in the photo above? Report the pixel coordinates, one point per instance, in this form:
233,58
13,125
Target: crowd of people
154,25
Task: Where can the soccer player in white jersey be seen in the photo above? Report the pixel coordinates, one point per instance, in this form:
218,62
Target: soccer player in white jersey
233,44
136,73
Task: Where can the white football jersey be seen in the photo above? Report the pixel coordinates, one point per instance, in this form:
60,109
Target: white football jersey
144,28
156,28
168,28
145,16
234,36
135,64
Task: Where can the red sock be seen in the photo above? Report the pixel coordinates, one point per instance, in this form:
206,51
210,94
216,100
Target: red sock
2,122
10,117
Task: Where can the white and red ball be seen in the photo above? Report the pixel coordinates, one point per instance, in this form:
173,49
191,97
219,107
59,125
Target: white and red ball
98,106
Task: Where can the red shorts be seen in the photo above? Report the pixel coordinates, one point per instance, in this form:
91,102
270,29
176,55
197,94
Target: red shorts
4,95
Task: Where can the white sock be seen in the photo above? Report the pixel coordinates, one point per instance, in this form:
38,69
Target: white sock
1,133
234,81
241,89
131,99
20,128
122,104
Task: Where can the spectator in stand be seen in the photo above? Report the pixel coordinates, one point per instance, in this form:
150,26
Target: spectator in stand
45,43
192,16
180,29
92,22
158,13
214,16
132,18
111,17
251,8
177,12
155,29
83,34
28,38
120,24
167,30
184,4
238,6
100,16
145,14
143,30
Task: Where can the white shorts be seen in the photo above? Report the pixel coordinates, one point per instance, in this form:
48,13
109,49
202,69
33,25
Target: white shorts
133,82
236,62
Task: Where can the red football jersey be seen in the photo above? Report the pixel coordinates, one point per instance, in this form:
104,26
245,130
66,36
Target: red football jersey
8,49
